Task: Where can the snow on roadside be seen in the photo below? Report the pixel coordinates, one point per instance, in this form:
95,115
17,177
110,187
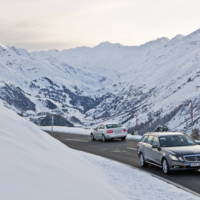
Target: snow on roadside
134,137
69,130
136,184
36,166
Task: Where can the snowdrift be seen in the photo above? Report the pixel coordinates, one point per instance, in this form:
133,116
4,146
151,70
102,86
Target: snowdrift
36,166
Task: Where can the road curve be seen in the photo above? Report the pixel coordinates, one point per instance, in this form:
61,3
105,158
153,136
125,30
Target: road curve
125,152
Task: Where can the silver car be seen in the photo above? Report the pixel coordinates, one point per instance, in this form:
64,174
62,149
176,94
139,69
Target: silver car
108,131
170,151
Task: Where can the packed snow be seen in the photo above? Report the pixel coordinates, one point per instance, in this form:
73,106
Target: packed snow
136,184
36,166
134,137
69,130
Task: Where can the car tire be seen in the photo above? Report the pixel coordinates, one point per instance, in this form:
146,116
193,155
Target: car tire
103,138
92,137
165,167
123,138
142,160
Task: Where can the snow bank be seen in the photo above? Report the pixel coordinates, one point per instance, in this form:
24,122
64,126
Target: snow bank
136,184
36,166
69,130
134,137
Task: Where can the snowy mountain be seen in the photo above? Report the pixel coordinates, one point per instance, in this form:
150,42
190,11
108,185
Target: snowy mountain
141,86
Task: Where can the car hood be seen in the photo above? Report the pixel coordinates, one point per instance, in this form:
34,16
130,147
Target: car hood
183,150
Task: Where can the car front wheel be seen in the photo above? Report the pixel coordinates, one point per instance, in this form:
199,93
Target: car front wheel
103,138
165,167
142,160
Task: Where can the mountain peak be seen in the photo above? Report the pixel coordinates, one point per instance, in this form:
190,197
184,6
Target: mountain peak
107,44
196,32
162,40
159,41
194,35
3,46
177,37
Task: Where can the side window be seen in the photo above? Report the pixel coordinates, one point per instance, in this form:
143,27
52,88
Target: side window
155,141
101,127
145,139
150,139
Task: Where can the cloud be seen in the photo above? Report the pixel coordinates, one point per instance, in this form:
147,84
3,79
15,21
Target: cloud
32,37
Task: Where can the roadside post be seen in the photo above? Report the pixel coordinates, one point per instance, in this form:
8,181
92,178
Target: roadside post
52,123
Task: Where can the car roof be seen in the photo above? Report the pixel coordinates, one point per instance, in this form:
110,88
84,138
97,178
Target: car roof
164,133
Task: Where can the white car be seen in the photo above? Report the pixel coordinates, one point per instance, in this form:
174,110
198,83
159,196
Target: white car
109,131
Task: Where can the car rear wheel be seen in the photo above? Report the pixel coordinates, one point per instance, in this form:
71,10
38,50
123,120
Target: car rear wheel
103,138
142,160
123,138
165,167
92,137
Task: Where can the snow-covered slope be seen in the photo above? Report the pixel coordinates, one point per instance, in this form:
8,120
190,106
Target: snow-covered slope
36,166
34,85
140,86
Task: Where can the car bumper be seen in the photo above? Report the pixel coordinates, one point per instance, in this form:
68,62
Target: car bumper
177,165
115,136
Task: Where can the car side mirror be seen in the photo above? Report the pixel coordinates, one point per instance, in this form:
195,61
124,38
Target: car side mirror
155,146
197,142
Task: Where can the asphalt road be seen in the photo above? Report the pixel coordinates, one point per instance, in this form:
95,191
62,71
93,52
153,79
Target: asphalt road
125,152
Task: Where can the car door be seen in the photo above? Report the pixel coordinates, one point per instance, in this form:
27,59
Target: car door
100,131
95,132
155,153
142,145
148,147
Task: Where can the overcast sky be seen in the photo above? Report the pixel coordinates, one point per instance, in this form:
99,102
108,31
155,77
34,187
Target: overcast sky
60,24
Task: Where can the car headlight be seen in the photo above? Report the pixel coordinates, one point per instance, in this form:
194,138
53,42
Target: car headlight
181,158
173,157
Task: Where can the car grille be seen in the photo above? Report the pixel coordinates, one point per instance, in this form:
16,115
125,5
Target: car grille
192,158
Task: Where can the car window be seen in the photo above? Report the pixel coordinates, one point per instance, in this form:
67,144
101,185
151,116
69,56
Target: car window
101,127
145,139
155,141
150,139
175,140
108,126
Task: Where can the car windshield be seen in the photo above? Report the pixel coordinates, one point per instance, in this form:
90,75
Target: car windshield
175,140
108,126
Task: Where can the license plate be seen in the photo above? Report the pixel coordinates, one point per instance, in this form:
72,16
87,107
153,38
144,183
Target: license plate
195,164
118,132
